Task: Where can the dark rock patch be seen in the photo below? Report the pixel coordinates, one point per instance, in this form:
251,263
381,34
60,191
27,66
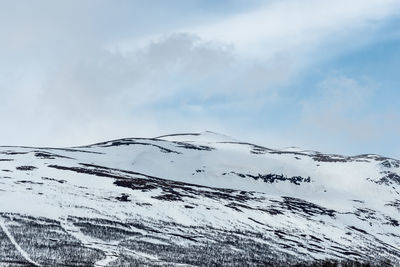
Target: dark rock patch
272,178
131,141
55,180
13,153
358,230
395,204
389,179
123,198
27,182
26,168
48,155
391,221
194,147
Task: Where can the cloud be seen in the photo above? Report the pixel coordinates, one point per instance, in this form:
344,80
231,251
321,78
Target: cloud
342,115
130,68
141,77
339,108
300,25
176,64
85,93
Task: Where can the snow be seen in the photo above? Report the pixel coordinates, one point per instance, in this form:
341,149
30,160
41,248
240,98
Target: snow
214,161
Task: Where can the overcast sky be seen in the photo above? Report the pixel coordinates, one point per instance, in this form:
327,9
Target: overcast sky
317,74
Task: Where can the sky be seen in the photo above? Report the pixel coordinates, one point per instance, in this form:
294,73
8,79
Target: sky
315,74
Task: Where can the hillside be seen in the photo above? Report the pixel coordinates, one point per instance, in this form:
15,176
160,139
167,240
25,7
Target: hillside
198,199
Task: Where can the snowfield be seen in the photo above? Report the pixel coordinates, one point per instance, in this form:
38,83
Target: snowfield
200,199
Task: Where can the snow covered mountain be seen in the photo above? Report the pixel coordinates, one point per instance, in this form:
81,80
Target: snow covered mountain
196,200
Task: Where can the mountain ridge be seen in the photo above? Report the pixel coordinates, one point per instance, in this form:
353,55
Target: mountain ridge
196,199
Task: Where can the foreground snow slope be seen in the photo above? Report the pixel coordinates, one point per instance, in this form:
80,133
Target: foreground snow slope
195,199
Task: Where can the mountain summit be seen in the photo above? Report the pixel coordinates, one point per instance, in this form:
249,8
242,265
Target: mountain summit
196,199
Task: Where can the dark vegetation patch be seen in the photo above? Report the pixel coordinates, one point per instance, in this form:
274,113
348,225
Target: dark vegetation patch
176,191
103,229
75,150
48,155
46,149
344,263
27,182
365,214
330,158
143,204
395,203
9,256
131,141
359,158
9,152
91,171
254,220
271,210
123,198
140,184
46,242
303,207
257,150
192,146
54,180
169,244
358,230
170,197
278,152
272,178
26,168
219,248
391,221
235,206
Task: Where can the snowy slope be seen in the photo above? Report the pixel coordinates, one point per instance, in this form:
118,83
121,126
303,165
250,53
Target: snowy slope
196,199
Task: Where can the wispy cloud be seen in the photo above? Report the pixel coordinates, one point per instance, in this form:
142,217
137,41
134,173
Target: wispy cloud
286,25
